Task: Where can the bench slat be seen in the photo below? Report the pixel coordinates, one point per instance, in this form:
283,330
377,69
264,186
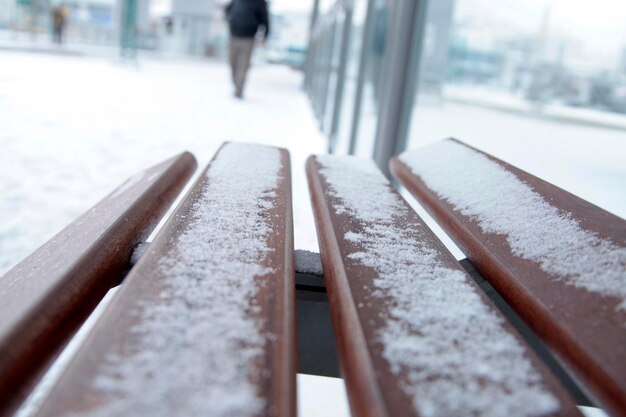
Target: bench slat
557,259
415,335
48,295
204,323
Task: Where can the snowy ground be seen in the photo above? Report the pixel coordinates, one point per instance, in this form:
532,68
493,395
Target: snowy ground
515,103
73,128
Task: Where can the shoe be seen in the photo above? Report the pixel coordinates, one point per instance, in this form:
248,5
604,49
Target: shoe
239,96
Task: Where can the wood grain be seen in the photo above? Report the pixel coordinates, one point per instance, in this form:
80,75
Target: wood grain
585,329
358,314
46,297
273,376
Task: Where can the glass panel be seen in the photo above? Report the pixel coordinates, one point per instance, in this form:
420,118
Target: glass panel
540,84
374,78
346,116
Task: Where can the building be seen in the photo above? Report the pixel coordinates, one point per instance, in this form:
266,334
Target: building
194,28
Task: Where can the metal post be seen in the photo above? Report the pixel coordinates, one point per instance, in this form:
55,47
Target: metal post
128,35
405,44
324,48
308,60
358,98
333,64
327,69
316,343
309,65
341,75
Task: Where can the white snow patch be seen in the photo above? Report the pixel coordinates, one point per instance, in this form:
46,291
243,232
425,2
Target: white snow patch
536,230
197,346
138,252
453,350
308,262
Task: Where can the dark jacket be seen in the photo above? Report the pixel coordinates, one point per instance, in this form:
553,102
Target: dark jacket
246,16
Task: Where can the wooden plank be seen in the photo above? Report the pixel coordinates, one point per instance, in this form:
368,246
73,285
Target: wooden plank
48,295
557,259
415,335
204,323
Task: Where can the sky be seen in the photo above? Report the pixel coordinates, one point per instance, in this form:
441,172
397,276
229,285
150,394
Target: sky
598,27
603,19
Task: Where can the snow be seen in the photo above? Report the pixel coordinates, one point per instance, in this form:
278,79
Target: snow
139,251
587,161
536,230
505,100
453,349
320,396
308,262
203,314
74,129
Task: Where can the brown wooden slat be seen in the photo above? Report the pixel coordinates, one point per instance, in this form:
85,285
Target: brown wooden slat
191,327
361,308
48,295
586,329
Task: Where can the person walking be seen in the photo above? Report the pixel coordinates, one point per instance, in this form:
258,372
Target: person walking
245,17
59,20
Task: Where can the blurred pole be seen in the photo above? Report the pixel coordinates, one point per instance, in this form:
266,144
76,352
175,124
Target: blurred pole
314,15
363,58
402,64
345,50
23,10
128,33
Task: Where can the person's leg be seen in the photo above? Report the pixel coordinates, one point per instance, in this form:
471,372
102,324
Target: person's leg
233,58
243,64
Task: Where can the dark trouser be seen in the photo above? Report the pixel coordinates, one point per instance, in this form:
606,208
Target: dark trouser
240,55
57,34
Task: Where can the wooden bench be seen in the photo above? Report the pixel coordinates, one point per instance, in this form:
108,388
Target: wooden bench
205,322
558,260
415,336
50,293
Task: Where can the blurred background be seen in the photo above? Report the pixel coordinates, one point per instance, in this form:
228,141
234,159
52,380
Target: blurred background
538,83
171,28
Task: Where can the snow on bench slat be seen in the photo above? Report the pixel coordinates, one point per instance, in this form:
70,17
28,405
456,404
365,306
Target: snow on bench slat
46,296
192,351
536,230
308,262
454,350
